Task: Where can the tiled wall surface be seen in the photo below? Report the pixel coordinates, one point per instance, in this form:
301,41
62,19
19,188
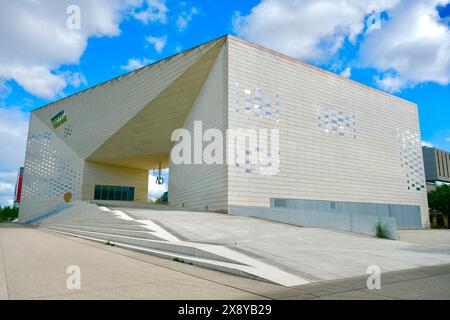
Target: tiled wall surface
112,175
199,185
51,170
339,140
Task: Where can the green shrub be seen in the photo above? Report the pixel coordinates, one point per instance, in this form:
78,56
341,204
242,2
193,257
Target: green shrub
164,199
8,214
379,231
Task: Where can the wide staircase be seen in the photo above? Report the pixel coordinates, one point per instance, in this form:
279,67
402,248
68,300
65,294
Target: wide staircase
115,227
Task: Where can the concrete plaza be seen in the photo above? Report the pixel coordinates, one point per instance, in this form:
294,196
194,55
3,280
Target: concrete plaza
33,265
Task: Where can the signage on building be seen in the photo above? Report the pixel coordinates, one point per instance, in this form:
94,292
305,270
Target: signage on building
59,119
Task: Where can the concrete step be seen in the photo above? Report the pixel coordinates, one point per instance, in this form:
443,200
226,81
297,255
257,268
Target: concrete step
104,219
224,266
124,226
117,227
146,234
101,224
145,242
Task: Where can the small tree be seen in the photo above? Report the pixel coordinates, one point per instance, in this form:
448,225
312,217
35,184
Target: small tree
164,199
439,199
8,213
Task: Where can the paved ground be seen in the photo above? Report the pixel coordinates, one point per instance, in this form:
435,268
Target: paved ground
33,265
315,254
430,238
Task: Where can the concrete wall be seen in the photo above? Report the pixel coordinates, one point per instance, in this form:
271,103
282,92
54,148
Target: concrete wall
367,160
51,170
364,224
111,175
406,216
199,185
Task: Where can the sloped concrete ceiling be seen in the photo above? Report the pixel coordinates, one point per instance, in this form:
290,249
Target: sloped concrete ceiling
145,140
95,115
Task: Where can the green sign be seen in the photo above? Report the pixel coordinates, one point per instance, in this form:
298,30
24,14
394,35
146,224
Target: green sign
59,119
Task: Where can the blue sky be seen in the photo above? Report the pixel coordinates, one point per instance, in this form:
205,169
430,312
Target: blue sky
399,46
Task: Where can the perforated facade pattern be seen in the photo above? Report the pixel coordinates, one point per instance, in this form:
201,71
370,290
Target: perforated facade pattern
336,122
411,159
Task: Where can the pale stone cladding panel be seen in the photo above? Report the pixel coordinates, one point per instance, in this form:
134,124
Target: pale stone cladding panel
198,185
111,175
364,164
51,170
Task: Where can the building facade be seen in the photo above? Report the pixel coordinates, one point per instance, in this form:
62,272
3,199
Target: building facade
437,165
339,141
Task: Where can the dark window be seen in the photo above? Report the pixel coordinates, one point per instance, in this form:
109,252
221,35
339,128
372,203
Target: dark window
280,203
114,193
131,194
111,190
333,204
98,192
446,164
439,164
104,193
124,195
118,193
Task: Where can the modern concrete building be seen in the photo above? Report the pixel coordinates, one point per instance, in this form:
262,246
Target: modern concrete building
340,142
437,165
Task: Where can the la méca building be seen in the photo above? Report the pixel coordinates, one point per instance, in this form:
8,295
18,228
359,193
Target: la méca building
341,144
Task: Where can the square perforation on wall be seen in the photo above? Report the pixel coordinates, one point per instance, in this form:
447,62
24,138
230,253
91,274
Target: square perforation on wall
336,122
411,159
259,161
257,102
68,131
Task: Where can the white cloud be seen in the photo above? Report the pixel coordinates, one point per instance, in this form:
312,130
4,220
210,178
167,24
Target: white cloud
136,63
158,42
347,72
409,44
6,202
390,83
153,11
427,144
306,29
185,17
412,47
6,187
13,137
36,40
75,79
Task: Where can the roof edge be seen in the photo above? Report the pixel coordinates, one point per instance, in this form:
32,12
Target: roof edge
308,65
130,72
